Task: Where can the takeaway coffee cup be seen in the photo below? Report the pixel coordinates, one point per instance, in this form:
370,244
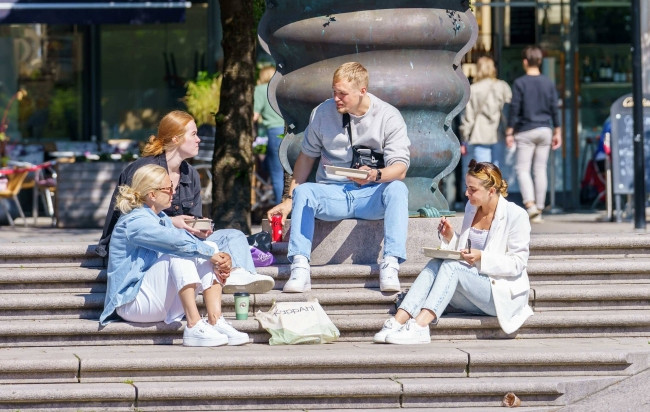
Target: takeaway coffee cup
241,305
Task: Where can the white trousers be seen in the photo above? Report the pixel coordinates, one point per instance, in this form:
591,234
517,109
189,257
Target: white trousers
158,300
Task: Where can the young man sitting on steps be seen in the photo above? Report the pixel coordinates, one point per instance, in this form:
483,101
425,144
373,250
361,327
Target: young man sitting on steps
374,124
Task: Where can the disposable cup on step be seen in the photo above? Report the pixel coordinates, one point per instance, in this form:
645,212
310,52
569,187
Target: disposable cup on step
242,300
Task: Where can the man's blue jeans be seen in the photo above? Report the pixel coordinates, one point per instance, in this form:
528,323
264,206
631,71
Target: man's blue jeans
234,243
332,202
449,282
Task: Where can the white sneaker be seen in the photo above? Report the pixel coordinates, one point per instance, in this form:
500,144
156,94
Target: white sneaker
300,280
388,275
533,211
241,280
537,219
410,334
203,334
391,325
235,337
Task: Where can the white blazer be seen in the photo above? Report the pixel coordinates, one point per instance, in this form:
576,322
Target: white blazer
504,260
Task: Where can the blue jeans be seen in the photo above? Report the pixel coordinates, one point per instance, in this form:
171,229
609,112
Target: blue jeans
449,282
272,161
332,202
234,243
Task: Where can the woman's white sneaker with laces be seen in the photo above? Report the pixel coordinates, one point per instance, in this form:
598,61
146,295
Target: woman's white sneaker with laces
410,334
241,280
300,280
391,325
235,337
203,334
388,275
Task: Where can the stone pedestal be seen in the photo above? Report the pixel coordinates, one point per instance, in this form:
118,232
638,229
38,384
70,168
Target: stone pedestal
362,241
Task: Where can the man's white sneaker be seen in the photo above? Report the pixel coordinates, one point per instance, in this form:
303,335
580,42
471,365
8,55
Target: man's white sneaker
388,276
410,334
391,325
203,334
241,280
300,280
235,337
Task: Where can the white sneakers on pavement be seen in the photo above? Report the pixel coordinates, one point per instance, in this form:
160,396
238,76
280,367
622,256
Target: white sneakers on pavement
388,275
410,334
234,336
391,325
300,280
241,280
203,334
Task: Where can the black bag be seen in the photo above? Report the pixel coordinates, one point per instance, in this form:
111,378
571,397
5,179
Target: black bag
363,155
261,241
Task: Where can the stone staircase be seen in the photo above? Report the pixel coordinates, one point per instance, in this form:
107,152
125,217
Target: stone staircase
590,293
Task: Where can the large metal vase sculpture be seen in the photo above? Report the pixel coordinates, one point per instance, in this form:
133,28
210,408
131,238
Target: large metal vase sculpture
412,50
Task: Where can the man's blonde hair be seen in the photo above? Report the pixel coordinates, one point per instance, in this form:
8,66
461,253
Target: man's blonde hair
352,72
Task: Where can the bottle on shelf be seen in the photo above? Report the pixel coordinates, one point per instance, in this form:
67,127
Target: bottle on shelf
586,70
609,71
602,71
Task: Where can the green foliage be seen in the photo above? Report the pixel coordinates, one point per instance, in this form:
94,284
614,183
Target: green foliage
202,97
62,105
259,6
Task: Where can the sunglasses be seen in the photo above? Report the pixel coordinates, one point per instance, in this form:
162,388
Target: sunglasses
169,189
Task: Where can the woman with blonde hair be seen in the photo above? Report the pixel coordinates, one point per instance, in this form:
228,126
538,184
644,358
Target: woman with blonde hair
490,277
156,270
482,126
175,142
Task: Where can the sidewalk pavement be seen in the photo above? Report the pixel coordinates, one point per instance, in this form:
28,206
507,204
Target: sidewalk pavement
584,222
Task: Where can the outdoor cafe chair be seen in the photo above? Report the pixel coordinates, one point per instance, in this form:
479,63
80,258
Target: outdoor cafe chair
14,185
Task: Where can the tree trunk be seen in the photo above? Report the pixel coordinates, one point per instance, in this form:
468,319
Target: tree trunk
232,163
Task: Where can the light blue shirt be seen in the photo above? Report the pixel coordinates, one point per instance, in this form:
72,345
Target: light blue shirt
138,239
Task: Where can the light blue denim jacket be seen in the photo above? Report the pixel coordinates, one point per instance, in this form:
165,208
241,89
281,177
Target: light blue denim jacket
138,239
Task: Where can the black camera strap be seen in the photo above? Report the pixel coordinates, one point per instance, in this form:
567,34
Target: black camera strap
346,124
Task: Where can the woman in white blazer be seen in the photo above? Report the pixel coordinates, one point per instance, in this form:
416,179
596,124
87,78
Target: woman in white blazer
489,279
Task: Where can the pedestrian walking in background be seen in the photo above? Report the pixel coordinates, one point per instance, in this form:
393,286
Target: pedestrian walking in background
483,122
274,125
534,126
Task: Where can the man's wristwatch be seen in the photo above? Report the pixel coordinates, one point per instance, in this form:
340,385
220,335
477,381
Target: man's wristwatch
378,177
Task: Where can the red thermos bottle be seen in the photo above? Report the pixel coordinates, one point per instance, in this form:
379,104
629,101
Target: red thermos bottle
276,228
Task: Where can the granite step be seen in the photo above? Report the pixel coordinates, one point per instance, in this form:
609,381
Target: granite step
59,304
357,394
361,328
25,255
546,270
343,360
589,297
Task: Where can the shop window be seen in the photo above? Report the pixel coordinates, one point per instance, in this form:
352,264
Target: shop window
138,88
45,61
